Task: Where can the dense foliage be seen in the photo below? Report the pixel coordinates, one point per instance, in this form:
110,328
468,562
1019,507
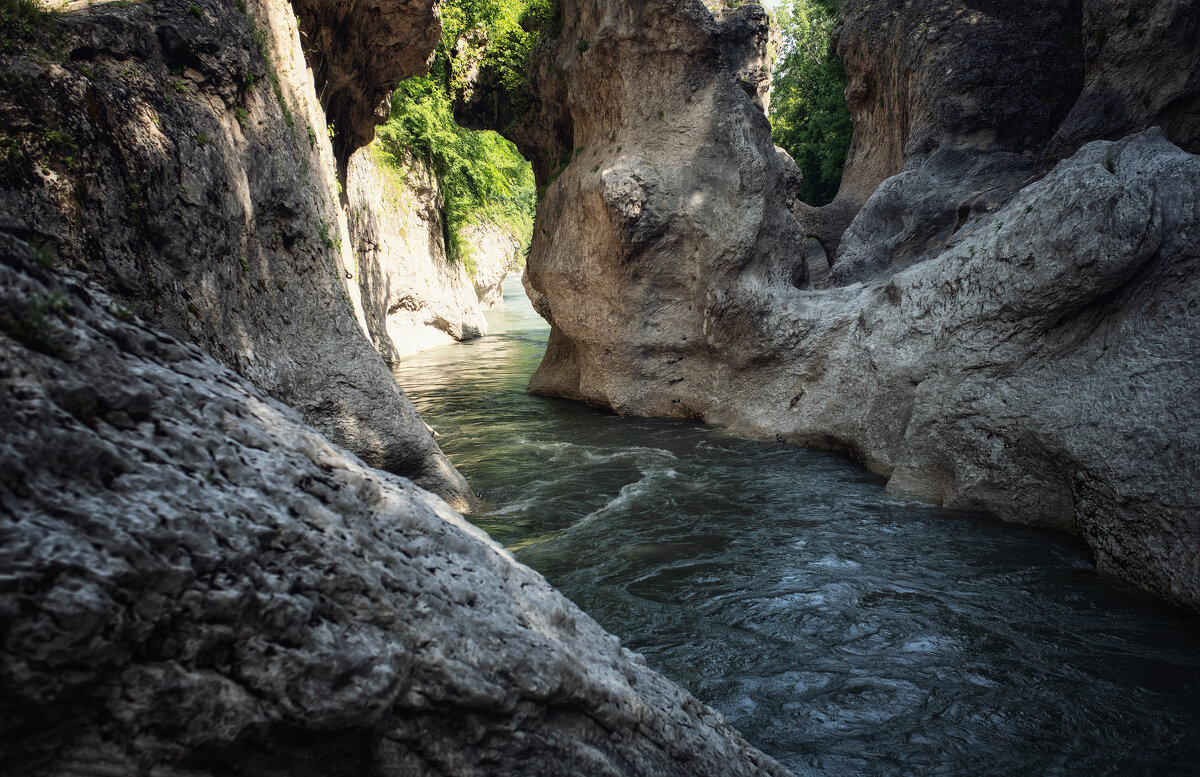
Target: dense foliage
483,176
808,105
512,31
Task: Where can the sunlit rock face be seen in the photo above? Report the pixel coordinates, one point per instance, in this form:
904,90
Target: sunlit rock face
661,183
414,296
178,153
994,314
197,583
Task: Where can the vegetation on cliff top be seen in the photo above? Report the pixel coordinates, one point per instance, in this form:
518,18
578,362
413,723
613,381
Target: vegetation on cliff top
484,179
809,118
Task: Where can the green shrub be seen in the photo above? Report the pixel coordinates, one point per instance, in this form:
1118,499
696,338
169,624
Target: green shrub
22,16
36,324
809,118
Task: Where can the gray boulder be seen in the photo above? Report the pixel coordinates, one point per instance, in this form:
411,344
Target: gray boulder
196,583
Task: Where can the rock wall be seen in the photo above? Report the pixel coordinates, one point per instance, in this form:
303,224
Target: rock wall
413,296
358,51
178,153
964,103
660,177
993,314
197,583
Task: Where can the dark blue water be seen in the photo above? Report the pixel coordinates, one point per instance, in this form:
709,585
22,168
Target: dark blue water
842,631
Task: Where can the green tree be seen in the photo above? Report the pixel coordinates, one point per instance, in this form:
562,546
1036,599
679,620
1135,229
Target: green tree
808,104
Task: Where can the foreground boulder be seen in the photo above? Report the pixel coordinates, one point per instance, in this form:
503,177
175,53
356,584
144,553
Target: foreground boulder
196,583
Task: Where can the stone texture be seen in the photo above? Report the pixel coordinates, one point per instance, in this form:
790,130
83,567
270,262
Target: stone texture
966,102
496,250
413,296
158,154
670,180
991,330
359,50
1142,69
1039,367
196,583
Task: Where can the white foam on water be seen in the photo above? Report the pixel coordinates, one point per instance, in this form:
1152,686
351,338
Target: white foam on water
628,495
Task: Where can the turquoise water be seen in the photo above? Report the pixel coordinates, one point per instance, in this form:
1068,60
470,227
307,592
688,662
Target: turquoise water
842,631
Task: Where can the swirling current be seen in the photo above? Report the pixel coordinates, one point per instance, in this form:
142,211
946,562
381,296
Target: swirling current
843,631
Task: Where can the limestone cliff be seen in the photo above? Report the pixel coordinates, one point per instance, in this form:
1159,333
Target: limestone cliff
413,296
965,103
178,153
986,328
197,583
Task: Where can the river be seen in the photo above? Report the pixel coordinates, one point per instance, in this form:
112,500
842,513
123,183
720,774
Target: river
842,631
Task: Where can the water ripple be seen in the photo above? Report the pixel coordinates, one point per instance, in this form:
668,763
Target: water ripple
844,632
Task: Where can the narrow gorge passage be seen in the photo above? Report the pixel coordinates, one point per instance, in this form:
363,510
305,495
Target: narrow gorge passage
842,632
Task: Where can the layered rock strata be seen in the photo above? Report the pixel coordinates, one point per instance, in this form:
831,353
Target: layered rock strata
197,583
177,152
991,330
414,297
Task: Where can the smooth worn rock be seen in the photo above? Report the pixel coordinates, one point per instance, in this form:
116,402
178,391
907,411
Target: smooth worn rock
196,583
413,296
989,330
181,158
964,103
1142,69
659,176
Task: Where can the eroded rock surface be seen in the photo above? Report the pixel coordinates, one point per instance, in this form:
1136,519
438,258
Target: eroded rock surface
196,583
989,329
660,178
177,152
413,296
959,105
359,50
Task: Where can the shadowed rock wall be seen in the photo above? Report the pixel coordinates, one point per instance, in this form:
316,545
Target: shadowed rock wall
177,152
358,51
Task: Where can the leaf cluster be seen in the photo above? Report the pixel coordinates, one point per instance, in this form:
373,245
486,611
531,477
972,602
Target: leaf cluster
809,118
510,33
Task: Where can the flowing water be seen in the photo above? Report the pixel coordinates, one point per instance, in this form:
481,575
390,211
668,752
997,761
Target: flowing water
842,631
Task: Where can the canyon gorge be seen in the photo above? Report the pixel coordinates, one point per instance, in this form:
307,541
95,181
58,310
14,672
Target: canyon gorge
232,546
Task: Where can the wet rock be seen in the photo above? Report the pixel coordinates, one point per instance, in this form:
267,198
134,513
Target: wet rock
197,583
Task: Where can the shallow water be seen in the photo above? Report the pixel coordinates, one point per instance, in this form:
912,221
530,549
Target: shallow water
842,631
